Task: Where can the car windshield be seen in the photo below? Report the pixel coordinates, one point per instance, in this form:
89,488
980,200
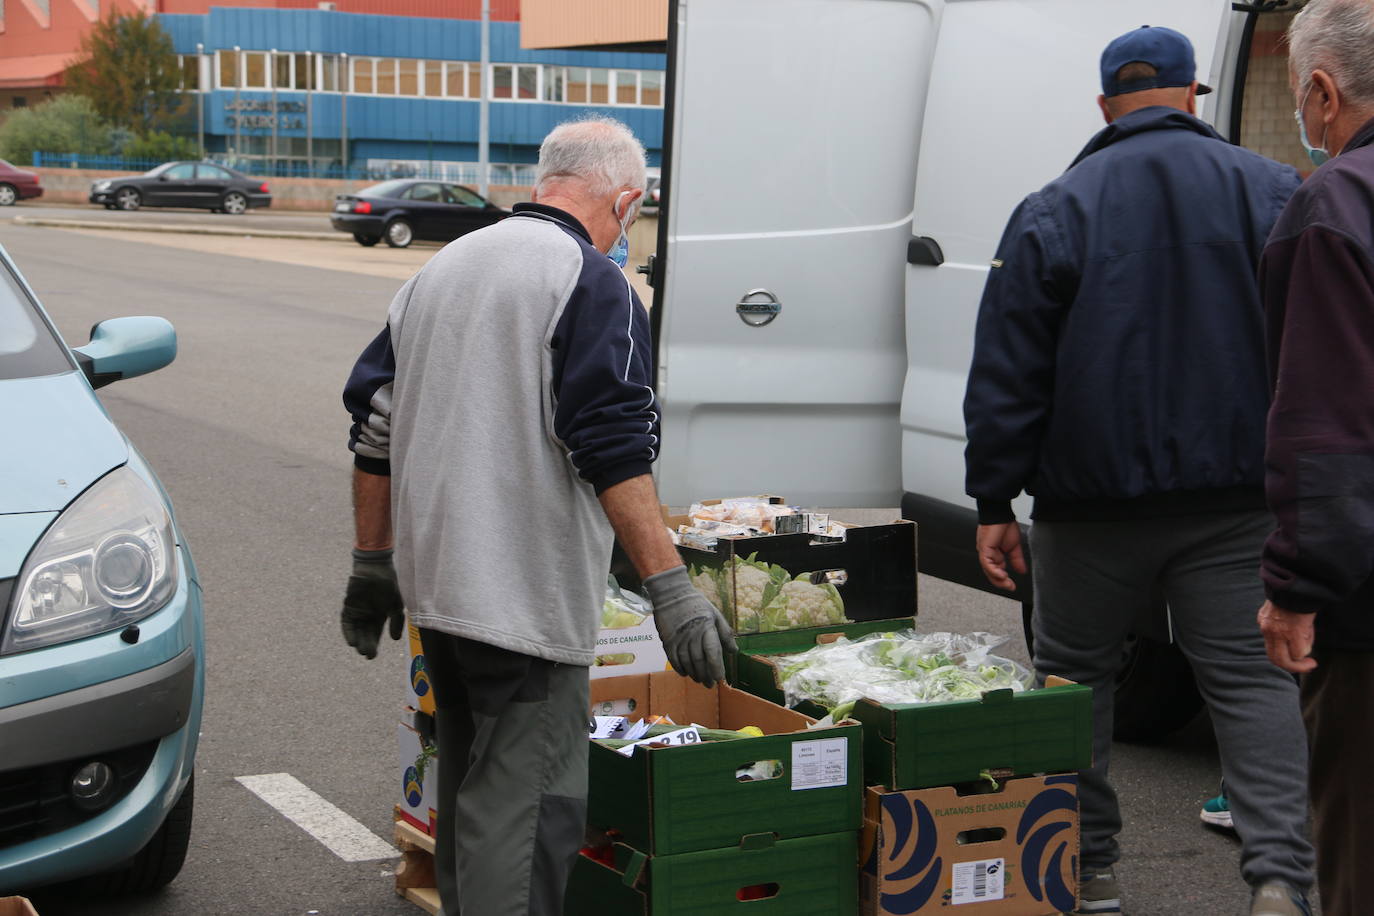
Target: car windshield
385,189
27,345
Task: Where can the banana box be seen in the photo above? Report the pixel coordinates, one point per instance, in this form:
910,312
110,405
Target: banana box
1012,851
419,690
417,779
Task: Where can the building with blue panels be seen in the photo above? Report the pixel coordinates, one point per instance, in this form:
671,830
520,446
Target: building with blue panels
387,93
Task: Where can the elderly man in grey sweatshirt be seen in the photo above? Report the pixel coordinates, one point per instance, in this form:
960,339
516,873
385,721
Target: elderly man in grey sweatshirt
504,430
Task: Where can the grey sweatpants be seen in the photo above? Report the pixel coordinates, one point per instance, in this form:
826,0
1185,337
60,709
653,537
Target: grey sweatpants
512,733
1091,579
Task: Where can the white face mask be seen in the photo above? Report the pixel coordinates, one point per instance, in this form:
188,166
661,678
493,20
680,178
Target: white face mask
1318,154
620,251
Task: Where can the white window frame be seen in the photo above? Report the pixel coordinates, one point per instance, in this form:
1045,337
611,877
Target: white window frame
267,69
515,82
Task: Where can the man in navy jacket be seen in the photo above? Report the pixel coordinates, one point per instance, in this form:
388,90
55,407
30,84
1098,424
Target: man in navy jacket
1118,377
1317,280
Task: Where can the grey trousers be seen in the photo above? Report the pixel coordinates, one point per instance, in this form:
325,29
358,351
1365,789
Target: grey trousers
512,733
1091,579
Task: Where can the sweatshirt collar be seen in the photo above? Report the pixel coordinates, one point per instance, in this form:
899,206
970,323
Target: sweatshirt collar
1363,137
540,211
1144,120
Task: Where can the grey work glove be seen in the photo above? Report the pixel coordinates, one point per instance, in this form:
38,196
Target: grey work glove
695,635
372,597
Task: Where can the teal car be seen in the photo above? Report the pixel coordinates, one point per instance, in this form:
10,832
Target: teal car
102,661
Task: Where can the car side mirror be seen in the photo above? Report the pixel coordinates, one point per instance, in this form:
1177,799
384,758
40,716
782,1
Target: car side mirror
162,177
125,347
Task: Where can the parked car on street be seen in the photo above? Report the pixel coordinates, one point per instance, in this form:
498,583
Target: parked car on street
17,184
102,657
184,184
406,209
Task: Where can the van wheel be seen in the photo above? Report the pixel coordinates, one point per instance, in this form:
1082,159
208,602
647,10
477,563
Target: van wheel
1155,692
160,860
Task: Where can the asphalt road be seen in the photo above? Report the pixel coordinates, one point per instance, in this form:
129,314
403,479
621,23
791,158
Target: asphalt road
248,434
290,220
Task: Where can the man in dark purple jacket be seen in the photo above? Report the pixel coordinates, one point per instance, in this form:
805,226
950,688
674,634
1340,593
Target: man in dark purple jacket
1317,282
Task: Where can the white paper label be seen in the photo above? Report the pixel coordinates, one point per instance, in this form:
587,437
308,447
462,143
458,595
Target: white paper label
606,726
679,738
977,882
820,763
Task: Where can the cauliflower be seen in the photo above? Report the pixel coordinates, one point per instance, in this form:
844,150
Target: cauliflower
756,590
811,605
707,582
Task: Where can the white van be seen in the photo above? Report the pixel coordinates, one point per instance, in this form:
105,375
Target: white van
837,174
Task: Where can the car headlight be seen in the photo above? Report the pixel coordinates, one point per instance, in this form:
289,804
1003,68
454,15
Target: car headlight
103,185
106,562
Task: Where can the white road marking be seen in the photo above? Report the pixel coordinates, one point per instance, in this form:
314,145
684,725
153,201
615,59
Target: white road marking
340,833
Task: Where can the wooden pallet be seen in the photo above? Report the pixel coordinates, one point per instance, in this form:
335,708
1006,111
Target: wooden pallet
415,872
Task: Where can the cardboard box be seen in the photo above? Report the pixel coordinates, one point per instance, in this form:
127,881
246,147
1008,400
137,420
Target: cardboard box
875,566
670,800
419,690
16,906
629,650
807,876
418,778
918,745
1013,852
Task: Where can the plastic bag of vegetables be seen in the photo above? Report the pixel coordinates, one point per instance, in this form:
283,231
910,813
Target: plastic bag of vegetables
622,608
901,667
763,597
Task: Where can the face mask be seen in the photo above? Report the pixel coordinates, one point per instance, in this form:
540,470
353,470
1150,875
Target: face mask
1317,154
620,251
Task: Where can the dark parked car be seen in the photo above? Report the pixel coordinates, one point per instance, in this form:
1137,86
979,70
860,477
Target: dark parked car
406,209
17,184
183,184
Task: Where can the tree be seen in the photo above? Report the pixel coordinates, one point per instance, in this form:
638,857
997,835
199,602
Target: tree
67,124
129,71
159,146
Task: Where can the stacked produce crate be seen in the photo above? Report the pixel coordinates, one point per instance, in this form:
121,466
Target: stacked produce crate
970,802
764,823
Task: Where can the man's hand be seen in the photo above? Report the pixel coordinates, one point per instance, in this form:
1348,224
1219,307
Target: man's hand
694,633
1288,638
372,597
998,545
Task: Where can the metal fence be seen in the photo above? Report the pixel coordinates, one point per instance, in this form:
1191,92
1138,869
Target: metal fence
516,174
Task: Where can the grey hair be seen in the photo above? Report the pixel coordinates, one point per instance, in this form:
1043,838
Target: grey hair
598,150
1336,36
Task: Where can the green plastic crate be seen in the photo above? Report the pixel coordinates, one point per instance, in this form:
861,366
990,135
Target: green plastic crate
673,800
916,746
807,876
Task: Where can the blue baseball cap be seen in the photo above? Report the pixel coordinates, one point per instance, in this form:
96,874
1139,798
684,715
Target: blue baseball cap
1169,52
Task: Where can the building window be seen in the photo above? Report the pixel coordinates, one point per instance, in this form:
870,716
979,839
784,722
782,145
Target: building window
328,72
555,80
189,66
408,77
386,76
228,62
651,88
599,81
626,87
255,70
577,86
518,82
363,81
434,78
282,71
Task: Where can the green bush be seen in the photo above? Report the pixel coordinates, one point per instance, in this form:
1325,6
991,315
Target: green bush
67,124
160,146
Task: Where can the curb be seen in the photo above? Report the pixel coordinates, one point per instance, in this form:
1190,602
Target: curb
188,229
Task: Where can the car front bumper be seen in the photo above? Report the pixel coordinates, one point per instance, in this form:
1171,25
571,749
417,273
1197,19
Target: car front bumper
136,707
101,197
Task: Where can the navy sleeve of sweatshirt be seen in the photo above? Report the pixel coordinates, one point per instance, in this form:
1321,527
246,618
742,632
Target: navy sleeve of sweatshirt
367,395
1011,381
1319,460
605,410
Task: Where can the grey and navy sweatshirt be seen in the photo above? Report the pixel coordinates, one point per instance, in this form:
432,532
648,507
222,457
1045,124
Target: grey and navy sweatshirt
510,387
1317,279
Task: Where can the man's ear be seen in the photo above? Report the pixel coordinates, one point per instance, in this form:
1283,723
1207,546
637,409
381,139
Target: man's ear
1328,94
1106,111
1192,99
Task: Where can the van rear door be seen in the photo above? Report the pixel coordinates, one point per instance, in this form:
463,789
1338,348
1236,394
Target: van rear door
789,174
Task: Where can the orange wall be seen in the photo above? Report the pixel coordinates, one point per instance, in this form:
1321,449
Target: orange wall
24,36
